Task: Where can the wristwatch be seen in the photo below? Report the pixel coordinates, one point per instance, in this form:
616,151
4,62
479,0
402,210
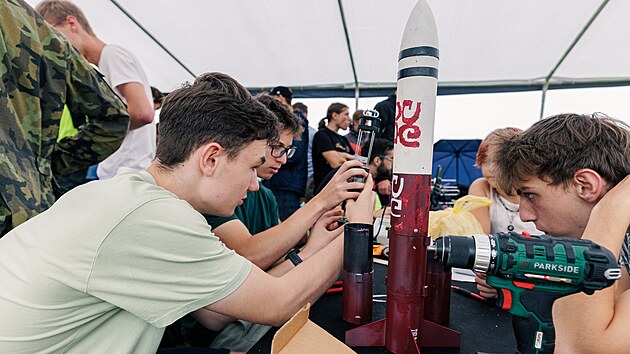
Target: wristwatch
293,256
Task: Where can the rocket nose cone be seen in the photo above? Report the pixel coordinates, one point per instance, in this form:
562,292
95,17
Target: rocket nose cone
419,54
420,28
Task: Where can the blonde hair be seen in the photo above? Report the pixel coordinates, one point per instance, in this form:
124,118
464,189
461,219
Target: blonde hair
56,11
487,148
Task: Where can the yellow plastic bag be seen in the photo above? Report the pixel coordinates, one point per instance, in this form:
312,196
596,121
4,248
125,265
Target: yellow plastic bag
458,220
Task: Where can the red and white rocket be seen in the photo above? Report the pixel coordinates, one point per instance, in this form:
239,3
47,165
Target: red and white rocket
404,330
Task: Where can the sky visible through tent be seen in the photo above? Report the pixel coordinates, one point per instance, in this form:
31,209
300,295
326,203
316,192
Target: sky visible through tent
475,115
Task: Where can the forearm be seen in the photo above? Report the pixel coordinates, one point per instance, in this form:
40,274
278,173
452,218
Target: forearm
312,277
277,299
140,119
272,244
138,104
286,265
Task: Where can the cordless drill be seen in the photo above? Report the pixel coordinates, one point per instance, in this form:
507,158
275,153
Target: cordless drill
530,273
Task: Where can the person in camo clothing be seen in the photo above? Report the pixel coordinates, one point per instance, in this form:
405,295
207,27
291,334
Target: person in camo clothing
41,72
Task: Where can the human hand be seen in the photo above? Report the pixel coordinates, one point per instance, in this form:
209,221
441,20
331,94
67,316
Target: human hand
325,229
485,290
339,189
384,187
359,211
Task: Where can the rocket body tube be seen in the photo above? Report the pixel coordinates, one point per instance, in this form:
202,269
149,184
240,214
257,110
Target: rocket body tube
358,273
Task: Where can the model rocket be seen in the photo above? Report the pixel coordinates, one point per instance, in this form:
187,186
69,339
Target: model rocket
404,330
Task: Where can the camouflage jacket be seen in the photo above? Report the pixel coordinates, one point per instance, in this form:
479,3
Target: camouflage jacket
40,73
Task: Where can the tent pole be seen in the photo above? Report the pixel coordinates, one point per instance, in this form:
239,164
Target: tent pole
568,51
354,69
542,101
153,38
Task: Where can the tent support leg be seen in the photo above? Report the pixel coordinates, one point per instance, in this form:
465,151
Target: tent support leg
542,101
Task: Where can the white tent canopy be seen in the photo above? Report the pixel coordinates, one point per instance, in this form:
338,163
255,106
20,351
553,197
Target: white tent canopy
485,45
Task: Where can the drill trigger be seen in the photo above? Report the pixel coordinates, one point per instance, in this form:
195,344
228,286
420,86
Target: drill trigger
506,301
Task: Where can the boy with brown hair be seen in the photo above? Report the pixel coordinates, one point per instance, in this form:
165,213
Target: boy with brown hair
571,172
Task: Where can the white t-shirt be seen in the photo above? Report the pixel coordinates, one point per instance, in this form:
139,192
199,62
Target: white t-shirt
504,213
137,151
107,267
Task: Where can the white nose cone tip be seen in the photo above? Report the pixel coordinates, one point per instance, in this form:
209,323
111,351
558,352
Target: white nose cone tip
416,93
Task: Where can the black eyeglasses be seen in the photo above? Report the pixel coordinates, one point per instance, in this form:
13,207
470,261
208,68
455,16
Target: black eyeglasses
387,158
278,150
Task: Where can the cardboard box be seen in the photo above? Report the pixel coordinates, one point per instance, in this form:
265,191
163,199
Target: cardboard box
300,335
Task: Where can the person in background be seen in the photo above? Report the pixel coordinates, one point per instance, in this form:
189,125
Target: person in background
330,149
353,133
502,215
124,74
35,151
289,184
158,98
299,106
309,155
387,113
382,169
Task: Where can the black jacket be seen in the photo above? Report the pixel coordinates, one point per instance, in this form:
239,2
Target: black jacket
292,176
387,113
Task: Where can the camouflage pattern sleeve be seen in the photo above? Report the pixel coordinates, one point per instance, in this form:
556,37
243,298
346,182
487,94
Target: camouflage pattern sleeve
107,121
40,72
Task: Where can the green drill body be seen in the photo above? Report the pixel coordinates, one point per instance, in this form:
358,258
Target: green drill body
530,273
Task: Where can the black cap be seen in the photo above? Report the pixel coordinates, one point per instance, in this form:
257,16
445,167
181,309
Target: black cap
282,91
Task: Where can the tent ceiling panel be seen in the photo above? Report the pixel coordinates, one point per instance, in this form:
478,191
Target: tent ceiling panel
604,49
486,41
301,43
258,42
112,26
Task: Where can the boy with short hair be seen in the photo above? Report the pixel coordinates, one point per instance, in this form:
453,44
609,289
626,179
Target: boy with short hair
571,172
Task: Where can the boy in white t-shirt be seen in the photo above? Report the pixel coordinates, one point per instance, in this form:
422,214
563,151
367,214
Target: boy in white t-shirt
124,74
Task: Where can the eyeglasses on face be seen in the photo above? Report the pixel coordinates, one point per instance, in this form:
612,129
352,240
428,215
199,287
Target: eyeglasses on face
278,150
387,158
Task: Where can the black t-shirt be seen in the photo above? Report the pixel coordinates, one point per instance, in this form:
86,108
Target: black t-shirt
326,140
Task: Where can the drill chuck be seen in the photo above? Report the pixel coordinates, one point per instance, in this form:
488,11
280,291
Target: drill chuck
474,252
